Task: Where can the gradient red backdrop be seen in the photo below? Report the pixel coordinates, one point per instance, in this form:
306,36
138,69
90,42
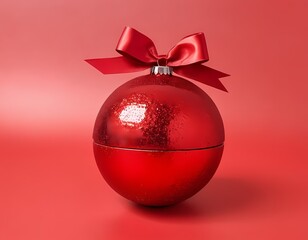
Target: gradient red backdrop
50,187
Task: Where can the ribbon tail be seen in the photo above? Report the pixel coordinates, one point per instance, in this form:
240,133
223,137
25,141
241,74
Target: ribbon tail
117,65
203,74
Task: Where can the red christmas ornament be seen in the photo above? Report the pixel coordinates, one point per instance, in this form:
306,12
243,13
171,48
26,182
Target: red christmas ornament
158,139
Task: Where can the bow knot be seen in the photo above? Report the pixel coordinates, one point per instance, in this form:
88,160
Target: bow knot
139,52
162,60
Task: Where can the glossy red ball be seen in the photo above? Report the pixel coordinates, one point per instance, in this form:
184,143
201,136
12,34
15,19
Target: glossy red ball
158,139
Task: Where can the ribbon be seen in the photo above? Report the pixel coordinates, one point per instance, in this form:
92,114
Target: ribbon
139,53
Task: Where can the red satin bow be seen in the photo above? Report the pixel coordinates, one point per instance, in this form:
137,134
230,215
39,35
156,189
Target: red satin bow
139,53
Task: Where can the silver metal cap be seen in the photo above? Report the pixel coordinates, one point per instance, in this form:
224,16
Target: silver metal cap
161,70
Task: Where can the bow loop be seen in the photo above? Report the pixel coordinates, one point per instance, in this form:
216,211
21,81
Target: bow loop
139,52
190,50
136,45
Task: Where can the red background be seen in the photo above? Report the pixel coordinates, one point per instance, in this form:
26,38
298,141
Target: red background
50,187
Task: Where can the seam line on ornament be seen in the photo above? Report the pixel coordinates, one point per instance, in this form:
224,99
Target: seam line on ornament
160,150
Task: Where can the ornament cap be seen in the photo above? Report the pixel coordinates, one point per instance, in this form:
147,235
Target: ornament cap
161,70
